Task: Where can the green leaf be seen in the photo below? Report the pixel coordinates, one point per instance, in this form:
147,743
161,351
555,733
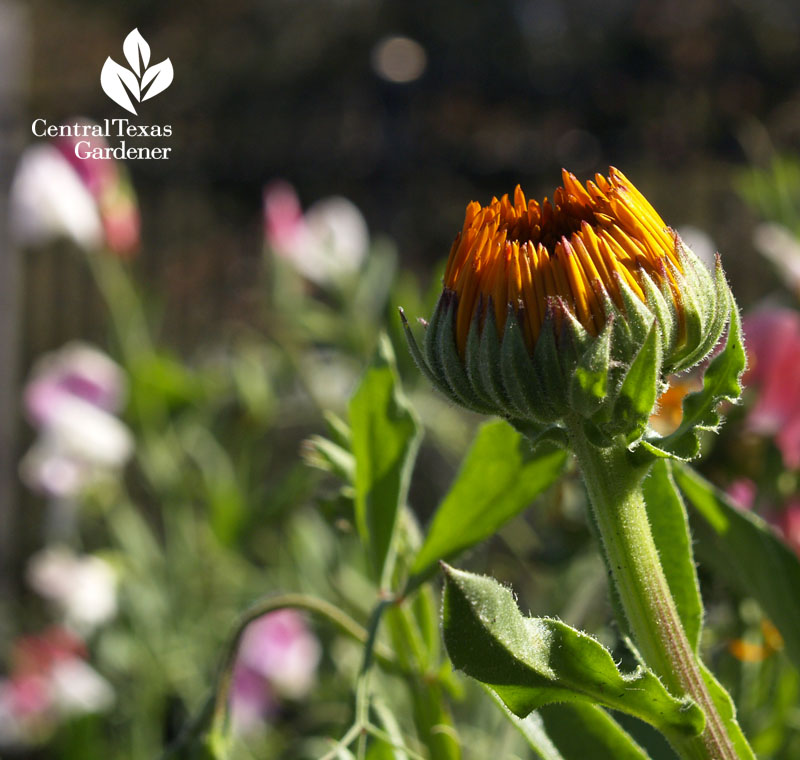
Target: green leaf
531,662
721,382
498,479
583,731
533,731
221,489
741,547
329,457
638,393
385,438
670,526
574,731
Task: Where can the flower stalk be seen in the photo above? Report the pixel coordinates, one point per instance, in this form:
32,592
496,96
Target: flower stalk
618,508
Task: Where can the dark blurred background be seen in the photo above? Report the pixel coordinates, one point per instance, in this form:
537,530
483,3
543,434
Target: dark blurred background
678,94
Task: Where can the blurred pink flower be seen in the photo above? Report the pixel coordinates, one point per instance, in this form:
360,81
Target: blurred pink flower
49,681
788,523
108,182
77,370
773,347
70,399
90,201
252,700
742,492
283,216
326,243
278,657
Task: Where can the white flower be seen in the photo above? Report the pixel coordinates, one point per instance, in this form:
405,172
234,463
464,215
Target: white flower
49,201
78,688
87,433
327,243
84,587
80,443
339,238
778,244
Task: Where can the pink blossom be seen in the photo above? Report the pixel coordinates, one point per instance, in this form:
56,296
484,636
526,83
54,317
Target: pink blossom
57,193
252,700
323,245
70,399
788,522
283,216
49,681
77,370
742,492
278,657
773,345
108,182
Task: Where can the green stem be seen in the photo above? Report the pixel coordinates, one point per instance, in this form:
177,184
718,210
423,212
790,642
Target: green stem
615,493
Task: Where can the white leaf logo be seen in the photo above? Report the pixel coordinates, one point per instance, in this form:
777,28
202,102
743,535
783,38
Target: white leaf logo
114,79
141,81
161,77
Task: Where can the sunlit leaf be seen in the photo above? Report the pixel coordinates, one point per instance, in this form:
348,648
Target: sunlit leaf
574,731
743,549
531,662
499,478
582,731
385,437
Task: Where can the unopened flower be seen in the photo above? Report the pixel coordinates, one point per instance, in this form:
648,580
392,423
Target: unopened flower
326,243
547,305
83,587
